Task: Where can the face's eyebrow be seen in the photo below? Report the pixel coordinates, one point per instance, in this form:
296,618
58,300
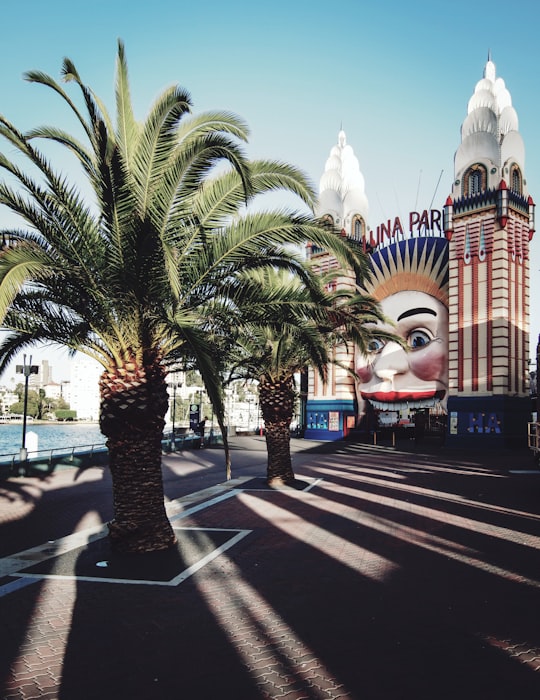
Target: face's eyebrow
415,312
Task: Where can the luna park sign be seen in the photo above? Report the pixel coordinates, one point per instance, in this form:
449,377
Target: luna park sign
426,223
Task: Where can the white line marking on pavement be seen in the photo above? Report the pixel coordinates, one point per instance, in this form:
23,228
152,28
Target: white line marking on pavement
11,566
182,576
205,504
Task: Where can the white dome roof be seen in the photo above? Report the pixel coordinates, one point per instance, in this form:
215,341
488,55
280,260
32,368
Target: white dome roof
484,84
482,98
480,119
329,203
513,149
482,143
508,120
355,202
331,180
333,163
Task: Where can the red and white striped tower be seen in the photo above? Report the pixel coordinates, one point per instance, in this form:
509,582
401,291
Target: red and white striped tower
489,220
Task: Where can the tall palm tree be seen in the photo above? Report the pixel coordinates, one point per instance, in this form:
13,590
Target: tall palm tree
299,327
130,277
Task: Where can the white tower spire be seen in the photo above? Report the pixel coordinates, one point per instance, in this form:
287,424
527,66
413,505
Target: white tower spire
342,188
490,133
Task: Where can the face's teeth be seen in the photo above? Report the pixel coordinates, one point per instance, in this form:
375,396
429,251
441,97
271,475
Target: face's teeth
401,405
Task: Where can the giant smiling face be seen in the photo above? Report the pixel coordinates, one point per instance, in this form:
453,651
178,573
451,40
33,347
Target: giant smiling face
393,378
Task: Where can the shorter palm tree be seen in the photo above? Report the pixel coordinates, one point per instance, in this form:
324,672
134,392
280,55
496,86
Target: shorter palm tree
298,326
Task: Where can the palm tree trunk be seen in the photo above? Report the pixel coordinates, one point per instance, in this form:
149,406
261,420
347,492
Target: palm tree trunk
277,406
133,406
140,521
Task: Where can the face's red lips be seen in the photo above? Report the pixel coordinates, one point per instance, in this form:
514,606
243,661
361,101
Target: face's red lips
395,396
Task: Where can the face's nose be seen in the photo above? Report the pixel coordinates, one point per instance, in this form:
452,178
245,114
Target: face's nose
391,361
386,374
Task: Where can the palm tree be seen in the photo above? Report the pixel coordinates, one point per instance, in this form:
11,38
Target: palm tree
130,278
299,326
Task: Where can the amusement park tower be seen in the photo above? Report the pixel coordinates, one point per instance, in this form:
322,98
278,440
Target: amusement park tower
489,222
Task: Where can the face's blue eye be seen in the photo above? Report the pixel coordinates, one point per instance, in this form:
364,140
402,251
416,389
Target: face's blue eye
375,345
418,339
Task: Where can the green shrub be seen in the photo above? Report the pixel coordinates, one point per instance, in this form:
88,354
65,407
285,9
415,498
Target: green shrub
65,414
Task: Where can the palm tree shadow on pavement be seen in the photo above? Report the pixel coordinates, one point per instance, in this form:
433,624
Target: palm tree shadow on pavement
137,637
26,612
452,617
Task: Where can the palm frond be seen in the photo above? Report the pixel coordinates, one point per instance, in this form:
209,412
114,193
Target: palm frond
42,78
127,128
61,137
213,122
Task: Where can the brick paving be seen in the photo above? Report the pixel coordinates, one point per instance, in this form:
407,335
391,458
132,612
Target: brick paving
386,573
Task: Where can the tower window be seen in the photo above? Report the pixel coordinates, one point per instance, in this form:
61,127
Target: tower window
358,229
516,181
475,183
475,180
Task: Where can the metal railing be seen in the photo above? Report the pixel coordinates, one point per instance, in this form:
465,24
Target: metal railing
41,462
59,451
190,441
11,464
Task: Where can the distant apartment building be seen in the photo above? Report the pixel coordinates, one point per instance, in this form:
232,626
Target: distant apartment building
42,377
7,399
84,387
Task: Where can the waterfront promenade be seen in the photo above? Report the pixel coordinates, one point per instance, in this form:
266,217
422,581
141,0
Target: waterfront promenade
386,573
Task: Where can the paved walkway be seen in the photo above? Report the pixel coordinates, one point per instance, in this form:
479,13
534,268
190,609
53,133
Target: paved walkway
386,573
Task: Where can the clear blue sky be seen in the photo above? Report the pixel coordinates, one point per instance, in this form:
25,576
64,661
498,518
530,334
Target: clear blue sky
396,75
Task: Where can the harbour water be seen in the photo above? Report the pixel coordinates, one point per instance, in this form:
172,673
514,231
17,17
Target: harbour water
50,436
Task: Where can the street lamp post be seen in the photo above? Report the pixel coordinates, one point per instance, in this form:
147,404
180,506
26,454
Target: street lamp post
27,370
173,406
174,385
249,401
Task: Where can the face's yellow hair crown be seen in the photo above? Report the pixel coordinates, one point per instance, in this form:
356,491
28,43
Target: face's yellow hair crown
416,264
